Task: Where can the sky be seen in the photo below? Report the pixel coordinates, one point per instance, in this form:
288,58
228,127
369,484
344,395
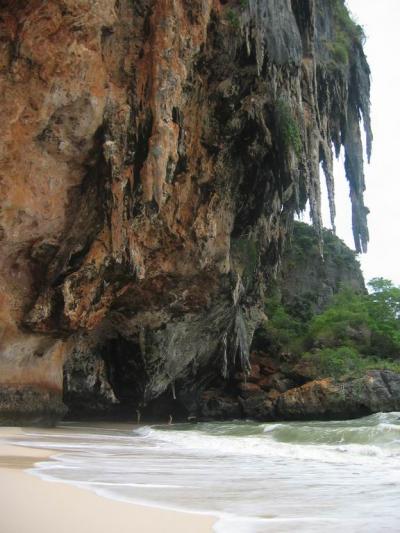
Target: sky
381,22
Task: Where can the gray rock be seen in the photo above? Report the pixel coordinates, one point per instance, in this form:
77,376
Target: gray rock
329,399
30,406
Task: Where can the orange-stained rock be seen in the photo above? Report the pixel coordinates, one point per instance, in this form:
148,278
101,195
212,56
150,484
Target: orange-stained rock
273,394
249,389
253,375
268,365
144,173
265,383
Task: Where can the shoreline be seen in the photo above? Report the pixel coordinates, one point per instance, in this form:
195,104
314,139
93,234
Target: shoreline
32,504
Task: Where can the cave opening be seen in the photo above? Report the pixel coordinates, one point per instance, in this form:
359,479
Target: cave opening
126,373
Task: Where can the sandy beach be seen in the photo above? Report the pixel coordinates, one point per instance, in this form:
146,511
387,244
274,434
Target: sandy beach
31,505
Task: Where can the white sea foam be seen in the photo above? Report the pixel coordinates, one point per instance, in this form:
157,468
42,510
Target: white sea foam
256,477
268,445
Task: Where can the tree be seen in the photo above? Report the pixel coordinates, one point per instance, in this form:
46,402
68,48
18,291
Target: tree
386,298
384,310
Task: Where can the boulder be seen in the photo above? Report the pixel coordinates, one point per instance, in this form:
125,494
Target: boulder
216,406
329,399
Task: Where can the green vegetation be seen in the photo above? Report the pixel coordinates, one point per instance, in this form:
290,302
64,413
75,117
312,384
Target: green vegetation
384,311
344,22
347,32
283,332
369,323
334,362
287,127
305,241
245,252
356,333
345,361
233,18
340,52
340,265
341,254
344,323
232,14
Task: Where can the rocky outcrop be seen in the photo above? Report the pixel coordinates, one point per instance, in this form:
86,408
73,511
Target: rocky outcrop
41,405
327,399
308,280
275,390
152,154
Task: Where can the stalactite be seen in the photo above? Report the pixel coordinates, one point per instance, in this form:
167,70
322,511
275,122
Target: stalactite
332,109
273,30
241,346
173,390
355,177
327,166
224,366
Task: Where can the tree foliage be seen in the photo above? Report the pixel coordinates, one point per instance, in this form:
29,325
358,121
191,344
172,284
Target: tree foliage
369,323
355,333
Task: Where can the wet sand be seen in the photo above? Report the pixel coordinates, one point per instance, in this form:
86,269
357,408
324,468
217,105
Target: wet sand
31,505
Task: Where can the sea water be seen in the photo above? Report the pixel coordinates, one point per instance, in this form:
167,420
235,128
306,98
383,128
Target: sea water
255,477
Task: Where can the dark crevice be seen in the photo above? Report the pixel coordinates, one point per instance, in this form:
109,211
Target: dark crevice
141,147
126,371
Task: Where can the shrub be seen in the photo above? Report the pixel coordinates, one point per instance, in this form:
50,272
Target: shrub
287,128
329,362
233,18
339,51
370,323
345,24
344,362
384,310
346,33
282,332
345,323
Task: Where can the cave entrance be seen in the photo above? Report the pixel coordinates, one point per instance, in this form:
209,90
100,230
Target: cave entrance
104,381
126,373
127,376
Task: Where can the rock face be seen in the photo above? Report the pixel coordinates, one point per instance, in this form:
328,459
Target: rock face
152,153
274,390
325,399
307,281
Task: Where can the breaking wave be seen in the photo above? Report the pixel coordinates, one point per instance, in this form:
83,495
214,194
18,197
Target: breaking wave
256,477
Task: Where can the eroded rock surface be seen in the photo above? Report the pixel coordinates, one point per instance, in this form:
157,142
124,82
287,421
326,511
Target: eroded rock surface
152,153
276,390
327,399
308,281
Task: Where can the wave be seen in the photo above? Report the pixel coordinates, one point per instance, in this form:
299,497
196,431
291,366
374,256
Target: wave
254,476
368,440
382,429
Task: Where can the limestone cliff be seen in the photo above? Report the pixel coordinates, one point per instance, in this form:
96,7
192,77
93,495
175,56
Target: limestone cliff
152,153
308,281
